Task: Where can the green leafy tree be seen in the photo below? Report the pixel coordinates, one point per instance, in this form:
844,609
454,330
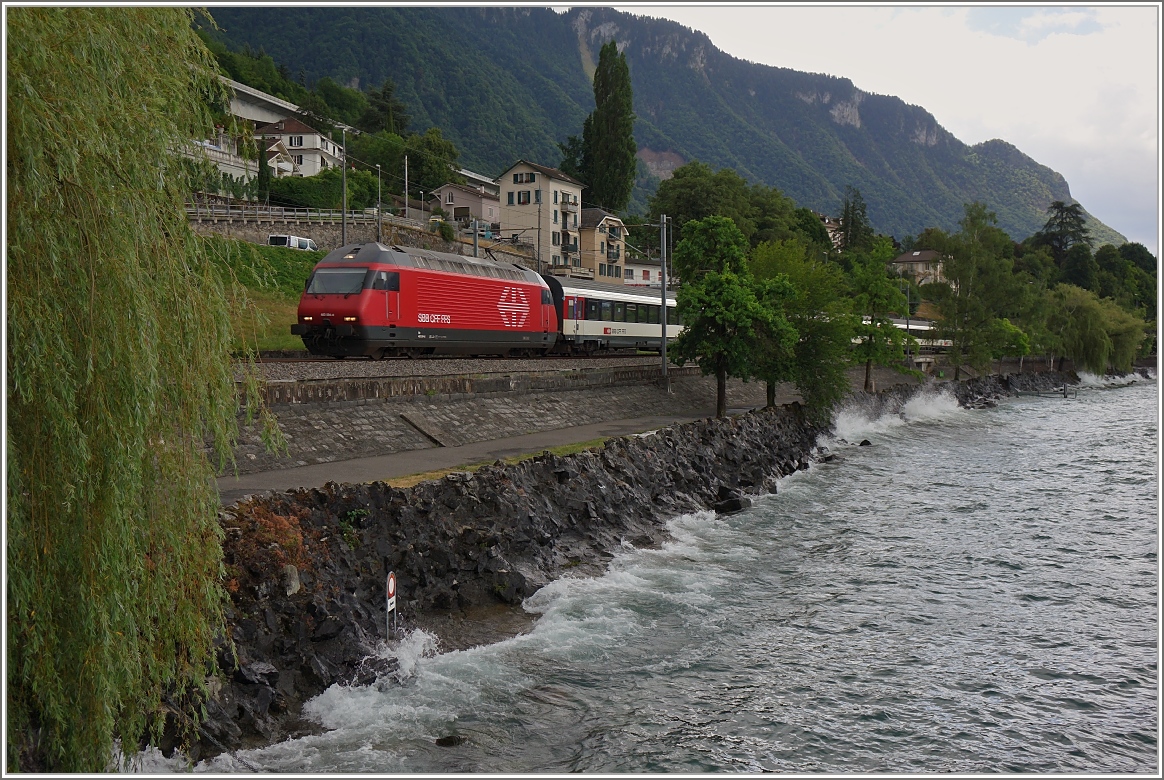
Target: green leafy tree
608,140
1066,226
980,286
820,311
1080,268
856,232
724,312
118,371
694,192
876,297
385,111
574,162
432,161
1007,340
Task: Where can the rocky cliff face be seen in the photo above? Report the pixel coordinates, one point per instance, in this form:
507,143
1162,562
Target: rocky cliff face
306,570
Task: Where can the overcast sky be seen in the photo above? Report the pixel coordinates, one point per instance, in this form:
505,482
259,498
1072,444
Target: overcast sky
1075,87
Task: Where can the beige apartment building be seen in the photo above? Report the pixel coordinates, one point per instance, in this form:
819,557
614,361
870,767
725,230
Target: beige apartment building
540,207
602,236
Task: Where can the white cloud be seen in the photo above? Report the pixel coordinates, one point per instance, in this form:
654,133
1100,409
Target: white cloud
1075,88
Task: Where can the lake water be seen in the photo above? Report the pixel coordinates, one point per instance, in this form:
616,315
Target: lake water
976,592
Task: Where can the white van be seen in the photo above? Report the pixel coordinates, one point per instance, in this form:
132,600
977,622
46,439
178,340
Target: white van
293,242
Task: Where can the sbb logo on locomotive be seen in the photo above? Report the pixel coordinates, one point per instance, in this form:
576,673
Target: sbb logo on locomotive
513,307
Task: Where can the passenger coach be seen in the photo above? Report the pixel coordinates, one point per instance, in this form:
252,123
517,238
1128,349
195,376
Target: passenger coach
597,317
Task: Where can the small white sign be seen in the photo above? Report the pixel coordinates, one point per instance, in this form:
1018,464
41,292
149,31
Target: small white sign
391,591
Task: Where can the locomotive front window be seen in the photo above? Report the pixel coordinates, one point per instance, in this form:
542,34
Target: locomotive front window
336,281
547,299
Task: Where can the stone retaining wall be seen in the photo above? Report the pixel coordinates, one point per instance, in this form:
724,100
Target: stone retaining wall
326,421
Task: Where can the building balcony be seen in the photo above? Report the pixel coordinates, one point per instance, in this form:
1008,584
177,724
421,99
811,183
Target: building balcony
572,271
614,254
569,208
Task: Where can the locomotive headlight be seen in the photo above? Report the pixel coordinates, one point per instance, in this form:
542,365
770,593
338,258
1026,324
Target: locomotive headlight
350,319
307,319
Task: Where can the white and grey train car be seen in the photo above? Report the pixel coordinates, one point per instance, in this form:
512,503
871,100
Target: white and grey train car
596,317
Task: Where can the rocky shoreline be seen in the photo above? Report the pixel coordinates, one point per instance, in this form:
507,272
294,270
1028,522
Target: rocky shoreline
306,569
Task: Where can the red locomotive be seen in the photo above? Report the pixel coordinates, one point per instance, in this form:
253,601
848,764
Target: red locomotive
384,301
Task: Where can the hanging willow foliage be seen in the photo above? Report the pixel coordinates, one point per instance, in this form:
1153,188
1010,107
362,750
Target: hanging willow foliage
118,373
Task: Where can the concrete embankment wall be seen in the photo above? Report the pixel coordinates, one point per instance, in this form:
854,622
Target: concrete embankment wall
329,420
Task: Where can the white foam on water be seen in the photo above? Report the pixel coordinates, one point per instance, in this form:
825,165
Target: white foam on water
1095,381
854,422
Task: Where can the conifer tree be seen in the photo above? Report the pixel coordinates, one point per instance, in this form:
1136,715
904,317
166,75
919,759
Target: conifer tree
608,143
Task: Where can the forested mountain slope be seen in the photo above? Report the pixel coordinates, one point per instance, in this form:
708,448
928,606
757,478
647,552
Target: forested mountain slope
513,82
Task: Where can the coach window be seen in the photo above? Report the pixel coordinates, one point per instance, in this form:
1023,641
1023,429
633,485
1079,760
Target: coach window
632,312
607,312
672,318
642,312
593,310
619,311
570,309
653,315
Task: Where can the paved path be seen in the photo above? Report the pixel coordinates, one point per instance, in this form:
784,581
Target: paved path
402,464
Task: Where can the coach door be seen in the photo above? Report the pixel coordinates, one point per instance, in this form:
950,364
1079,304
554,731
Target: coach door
576,312
387,283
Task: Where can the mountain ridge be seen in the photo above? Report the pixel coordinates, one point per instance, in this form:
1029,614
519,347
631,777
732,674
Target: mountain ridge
512,83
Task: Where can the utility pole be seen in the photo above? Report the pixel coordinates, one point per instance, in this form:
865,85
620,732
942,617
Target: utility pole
406,186
539,236
474,237
344,223
379,209
663,296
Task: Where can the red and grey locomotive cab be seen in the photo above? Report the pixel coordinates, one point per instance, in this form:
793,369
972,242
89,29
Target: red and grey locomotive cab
382,301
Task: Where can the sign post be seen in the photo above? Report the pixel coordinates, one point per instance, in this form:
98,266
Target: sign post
391,611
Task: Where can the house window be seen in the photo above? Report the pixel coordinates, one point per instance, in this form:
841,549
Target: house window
646,276
510,198
448,197
557,260
537,196
490,212
557,239
602,228
628,274
555,196
555,217
575,220
299,161
601,246
522,197
517,178
295,140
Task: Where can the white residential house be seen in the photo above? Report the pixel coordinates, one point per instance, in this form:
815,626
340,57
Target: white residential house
923,265
311,150
639,271
540,207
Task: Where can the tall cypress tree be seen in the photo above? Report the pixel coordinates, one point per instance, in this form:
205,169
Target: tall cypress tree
608,142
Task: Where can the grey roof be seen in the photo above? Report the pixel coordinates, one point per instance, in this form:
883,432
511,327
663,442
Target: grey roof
543,169
919,256
592,217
